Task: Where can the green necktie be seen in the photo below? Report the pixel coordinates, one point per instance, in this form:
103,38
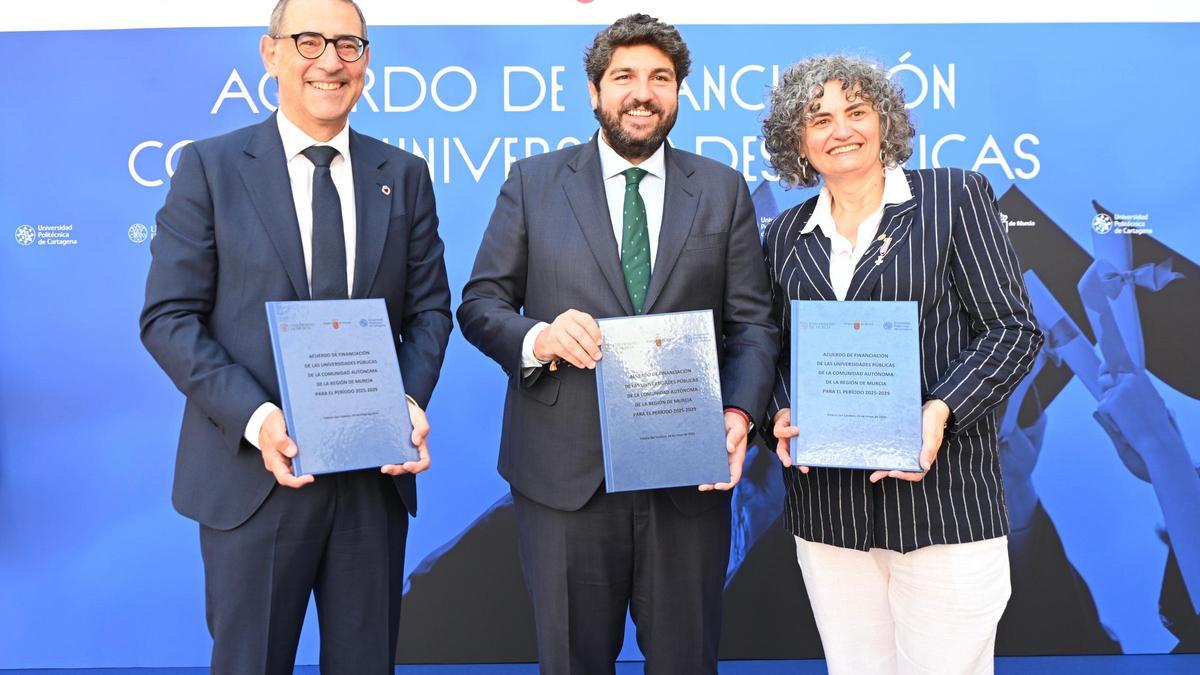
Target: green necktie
635,240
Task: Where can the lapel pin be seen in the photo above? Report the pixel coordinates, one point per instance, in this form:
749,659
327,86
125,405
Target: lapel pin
386,190
887,243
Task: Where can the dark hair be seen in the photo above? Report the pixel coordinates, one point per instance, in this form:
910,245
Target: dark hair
636,29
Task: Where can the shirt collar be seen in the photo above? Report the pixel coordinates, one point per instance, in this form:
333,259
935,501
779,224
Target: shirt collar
612,164
895,191
296,141
895,186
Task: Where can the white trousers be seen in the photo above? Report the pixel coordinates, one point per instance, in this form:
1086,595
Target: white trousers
932,610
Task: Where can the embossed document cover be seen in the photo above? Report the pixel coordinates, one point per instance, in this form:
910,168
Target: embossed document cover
661,418
856,388
339,379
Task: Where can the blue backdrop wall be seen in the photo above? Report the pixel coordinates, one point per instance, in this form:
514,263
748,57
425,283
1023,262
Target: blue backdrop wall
97,570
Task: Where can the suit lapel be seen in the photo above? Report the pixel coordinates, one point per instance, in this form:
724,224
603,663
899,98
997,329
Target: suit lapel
264,172
585,193
680,201
894,227
810,270
373,194
816,267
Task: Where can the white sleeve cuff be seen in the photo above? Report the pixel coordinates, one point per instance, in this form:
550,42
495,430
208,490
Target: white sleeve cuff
528,360
254,426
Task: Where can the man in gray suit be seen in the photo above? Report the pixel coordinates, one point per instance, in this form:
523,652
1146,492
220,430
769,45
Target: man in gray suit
619,226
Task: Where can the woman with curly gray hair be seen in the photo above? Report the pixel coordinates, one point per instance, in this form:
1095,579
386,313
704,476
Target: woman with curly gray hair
906,572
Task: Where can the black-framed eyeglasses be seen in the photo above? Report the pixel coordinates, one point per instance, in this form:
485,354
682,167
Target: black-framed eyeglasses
348,48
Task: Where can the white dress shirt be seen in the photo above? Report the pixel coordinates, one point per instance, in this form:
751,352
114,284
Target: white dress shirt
845,255
652,188
300,172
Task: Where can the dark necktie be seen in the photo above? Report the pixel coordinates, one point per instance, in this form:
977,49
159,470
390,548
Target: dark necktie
635,240
328,238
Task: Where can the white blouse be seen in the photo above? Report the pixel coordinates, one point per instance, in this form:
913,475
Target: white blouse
844,255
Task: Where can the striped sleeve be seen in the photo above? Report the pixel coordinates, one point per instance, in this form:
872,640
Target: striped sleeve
987,277
774,245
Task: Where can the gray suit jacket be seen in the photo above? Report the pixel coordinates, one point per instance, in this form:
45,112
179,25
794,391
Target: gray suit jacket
549,247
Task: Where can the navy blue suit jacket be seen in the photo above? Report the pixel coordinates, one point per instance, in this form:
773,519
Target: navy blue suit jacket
950,253
549,247
227,242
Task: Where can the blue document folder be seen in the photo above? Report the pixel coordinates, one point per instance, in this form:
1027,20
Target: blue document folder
339,379
661,419
856,385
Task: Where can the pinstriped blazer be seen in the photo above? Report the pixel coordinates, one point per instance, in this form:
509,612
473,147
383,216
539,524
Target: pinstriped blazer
978,338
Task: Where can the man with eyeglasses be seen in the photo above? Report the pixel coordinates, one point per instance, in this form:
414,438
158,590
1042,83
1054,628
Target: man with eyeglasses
298,207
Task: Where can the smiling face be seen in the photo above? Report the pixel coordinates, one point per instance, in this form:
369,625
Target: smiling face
842,138
637,100
316,94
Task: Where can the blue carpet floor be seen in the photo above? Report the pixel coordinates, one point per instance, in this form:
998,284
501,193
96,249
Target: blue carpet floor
1182,664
